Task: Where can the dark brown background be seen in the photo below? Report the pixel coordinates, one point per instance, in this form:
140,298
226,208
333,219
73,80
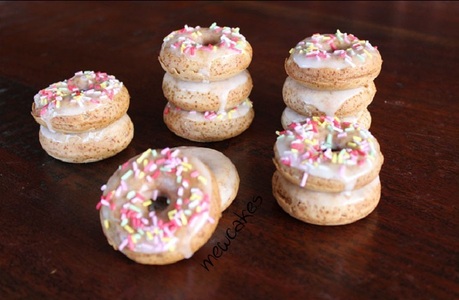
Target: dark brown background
51,242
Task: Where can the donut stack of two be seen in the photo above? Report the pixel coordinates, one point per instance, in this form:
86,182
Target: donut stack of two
331,75
207,83
84,119
327,171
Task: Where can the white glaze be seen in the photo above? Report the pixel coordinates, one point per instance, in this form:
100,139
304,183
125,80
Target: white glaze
220,88
239,111
88,136
328,102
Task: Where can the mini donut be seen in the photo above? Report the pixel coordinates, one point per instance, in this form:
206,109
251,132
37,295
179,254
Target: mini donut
340,103
209,126
212,96
326,155
88,146
160,207
321,208
205,54
333,61
87,101
362,118
222,167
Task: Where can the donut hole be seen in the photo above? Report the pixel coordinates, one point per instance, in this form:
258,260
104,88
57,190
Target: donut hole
159,204
210,39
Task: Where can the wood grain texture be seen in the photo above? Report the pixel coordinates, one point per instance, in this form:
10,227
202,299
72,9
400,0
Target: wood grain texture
51,243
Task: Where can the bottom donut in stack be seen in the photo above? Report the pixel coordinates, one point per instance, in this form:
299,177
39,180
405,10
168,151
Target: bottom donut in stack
327,171
162,205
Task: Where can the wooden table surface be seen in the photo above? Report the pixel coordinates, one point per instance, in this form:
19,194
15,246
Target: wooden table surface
51,241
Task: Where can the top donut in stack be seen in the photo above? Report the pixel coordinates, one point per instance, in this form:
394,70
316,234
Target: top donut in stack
207,83
333,75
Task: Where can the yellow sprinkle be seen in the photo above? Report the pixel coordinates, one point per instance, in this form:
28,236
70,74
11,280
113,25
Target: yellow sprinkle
171,214
334,158
184,219
357,138
128,229
187,166
147,203
202,179
58,104
143,156
351,144
367,53
149,235
106,224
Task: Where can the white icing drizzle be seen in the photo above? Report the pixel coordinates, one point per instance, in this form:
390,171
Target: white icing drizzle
221,88
328,102
239,111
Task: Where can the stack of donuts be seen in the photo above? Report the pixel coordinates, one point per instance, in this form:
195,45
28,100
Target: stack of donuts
207,83
84,119
327,171
162,205
332,75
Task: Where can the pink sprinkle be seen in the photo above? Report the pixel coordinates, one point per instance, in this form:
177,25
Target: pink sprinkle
304,179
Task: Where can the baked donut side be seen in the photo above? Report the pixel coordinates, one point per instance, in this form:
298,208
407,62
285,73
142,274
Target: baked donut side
205,53
325,154
160,207
333,61
207,96
313,102
88,146
321,208
209,126
362,118
222,167
87,101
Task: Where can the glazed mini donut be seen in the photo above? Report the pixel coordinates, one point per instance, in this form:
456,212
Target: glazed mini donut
87,101
327,155
212,96
160,207
326,208
333,61
362,118
340,103
89,146
205,54
222,167
209,126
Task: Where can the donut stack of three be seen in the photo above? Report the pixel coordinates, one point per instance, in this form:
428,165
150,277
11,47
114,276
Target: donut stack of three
327,171
207,83
162,205
332,75
84,119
